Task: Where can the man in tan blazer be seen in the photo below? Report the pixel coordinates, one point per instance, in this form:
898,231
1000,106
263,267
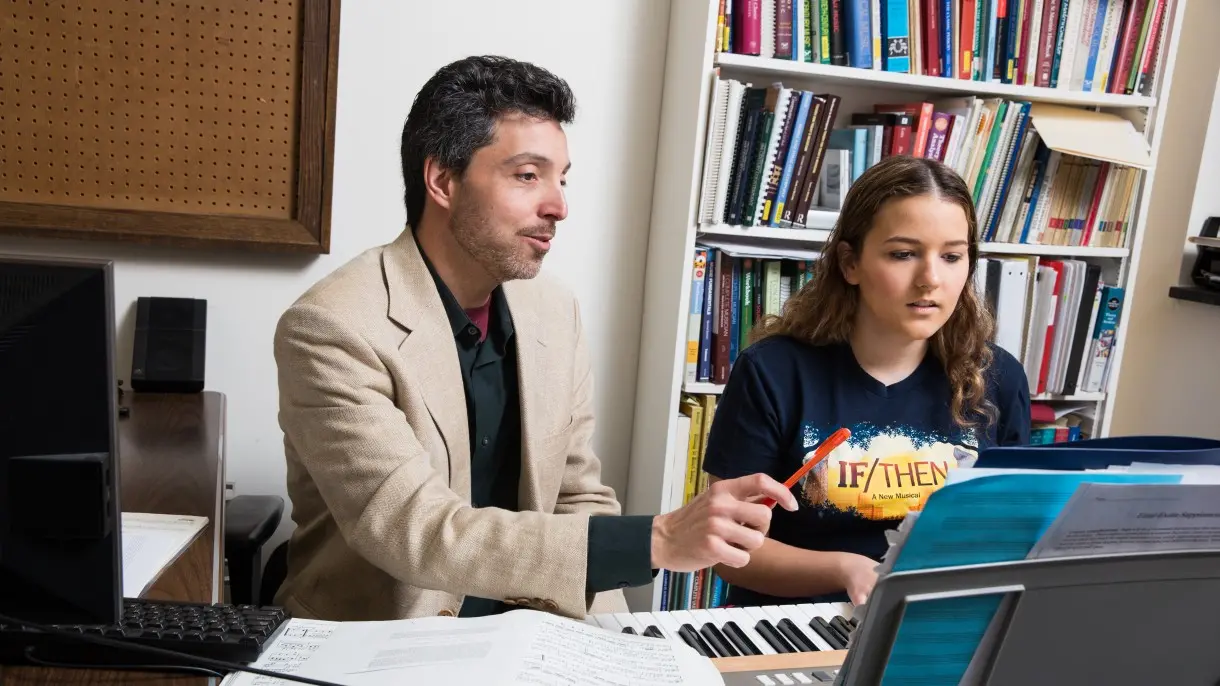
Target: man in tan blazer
436,398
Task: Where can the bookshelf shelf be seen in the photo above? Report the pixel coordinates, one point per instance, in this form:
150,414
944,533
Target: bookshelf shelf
852,76
764,234
716,389
702,192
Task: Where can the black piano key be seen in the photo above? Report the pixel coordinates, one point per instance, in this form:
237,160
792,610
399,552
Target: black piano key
654,632
740,639
854,622
772,636
717,641
628,630
841,624
689,634
795,637
843,635
821,628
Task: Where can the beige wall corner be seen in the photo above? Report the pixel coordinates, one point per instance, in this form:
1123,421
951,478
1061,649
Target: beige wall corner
1168,368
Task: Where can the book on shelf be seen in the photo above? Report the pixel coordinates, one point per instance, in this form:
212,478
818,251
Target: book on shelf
1092,46
702,589
1039,174
1057,317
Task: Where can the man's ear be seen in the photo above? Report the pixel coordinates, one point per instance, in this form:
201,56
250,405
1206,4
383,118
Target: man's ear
438,183
849,264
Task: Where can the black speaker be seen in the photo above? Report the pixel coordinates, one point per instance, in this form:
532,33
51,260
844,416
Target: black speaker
168,353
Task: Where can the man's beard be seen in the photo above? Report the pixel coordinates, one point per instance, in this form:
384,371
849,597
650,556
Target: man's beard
504,258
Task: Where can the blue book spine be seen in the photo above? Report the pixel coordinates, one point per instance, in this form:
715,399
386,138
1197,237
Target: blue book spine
859,33
896,33
794,147
992,19
1094,46
946,39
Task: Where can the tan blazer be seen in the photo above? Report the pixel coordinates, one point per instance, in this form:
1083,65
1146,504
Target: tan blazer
375,434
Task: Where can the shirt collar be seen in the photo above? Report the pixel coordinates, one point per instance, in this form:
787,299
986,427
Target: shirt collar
499,321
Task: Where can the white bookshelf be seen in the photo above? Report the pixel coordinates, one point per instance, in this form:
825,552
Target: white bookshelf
690,64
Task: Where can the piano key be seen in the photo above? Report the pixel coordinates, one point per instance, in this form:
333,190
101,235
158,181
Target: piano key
802,616
694,640
653,631
628,621
667,623
745,623
713,633
609,623
772,636
823,628
843,637
842,625
739,639
765,625
687,619
646,619
790,613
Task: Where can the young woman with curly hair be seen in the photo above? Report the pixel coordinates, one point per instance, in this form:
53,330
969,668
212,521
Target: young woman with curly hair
890,340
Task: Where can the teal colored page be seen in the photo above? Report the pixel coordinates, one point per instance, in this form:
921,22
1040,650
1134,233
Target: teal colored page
996,518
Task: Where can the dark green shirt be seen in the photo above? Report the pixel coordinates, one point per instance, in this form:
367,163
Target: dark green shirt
620,548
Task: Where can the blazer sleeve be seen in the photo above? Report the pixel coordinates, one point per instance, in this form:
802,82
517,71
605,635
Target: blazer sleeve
337,410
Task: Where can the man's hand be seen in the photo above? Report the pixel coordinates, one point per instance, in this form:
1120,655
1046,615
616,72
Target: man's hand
857,574
720,526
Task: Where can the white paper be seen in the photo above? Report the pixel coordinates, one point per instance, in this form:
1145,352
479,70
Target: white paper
1102,519
150,543
516,648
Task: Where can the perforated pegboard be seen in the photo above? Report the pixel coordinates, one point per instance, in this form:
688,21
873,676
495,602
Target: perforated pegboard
165,105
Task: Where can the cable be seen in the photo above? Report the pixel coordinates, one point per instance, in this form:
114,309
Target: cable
191,660
162,669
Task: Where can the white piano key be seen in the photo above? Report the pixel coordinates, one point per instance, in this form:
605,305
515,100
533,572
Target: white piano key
626,619
648,619
609,623
669,625
800,677
784,679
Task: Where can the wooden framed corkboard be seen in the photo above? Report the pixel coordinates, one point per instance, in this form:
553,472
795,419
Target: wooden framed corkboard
182,122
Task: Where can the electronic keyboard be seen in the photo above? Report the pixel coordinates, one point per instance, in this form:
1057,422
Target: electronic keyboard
743,631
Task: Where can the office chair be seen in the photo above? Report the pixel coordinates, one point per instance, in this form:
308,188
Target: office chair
250,521
274,573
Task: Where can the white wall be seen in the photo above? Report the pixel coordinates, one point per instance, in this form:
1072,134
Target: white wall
1168,367
612,54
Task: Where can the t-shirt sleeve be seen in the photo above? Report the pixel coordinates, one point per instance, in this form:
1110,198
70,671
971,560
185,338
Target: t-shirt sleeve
1013,427
745,434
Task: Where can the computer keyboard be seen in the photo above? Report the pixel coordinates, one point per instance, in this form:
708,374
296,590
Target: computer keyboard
229,633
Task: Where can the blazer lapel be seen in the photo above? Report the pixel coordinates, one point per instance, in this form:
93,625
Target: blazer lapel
531,387
429,351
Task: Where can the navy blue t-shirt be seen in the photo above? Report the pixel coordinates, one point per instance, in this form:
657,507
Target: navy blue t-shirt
784,397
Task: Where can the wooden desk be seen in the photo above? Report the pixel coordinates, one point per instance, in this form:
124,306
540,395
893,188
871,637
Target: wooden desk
171,461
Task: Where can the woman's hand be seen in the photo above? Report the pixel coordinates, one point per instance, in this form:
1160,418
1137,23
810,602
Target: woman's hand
857,575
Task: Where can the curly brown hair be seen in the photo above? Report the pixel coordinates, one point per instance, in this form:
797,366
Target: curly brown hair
824,310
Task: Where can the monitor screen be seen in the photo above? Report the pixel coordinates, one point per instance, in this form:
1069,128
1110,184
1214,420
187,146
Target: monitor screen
60,549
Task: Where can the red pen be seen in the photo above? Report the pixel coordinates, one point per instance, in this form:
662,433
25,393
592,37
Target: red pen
827,446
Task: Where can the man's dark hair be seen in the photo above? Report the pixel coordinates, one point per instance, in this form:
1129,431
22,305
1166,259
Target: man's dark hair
456,111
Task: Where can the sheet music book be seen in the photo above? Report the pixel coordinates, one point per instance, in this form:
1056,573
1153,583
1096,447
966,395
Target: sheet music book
151,542
518,647
985,515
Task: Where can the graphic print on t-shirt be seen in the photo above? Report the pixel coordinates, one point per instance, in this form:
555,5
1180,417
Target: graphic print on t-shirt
881,473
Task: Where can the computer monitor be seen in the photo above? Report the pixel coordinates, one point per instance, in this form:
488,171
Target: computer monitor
60,548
